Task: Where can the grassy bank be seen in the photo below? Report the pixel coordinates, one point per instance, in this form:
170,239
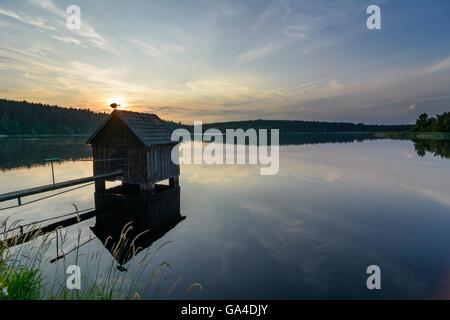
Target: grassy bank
24,258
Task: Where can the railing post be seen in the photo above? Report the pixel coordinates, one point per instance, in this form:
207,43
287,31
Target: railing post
57,247
53,175
53,171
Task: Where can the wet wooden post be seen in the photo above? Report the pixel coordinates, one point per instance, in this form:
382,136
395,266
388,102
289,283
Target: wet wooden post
174,181
53,171
148,187
100,186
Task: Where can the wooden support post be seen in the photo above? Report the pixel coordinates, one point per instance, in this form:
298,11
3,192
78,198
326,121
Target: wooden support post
174,181
53,175
100,186
148,187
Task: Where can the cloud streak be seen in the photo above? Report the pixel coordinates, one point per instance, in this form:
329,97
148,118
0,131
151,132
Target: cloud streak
441,65
40,23
86,31
227,60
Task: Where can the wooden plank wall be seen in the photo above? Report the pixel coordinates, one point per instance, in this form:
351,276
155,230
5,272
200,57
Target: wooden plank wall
159,164
116,141
144,165
103,152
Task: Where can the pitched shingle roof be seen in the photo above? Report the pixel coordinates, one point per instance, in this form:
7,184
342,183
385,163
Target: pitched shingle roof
147,127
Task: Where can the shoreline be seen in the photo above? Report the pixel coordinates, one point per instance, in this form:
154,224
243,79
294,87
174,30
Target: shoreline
415,135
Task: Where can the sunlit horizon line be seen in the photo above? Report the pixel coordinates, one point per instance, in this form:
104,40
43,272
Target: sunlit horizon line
103,106
118,100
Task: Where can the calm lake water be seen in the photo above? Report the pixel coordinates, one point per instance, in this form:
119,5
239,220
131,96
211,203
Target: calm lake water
338,204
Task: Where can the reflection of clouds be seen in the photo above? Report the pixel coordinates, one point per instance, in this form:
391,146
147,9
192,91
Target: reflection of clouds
374,169
315,246
218,174
333,177
314,251
443,290
263,210
314,173
306,170
294,227
436,195
38,176
327,165
311,230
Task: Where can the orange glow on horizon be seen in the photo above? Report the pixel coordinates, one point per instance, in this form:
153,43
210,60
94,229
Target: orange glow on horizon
120,101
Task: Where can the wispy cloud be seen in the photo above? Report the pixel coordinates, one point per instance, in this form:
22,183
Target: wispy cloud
67,39
222,9
296,31
39,22
86,31
260,52
158,52
274,10
279,27
438,66
227,59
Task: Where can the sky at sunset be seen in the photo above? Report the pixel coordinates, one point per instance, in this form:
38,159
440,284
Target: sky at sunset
220,60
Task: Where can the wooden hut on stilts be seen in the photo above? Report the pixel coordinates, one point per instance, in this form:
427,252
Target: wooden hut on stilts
140,145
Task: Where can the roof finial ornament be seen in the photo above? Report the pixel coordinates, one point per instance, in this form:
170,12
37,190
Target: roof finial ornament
114,105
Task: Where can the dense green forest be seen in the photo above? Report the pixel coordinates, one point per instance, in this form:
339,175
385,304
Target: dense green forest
440,123
24,118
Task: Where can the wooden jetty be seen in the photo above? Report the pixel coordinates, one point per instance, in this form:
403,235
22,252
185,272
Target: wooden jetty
28,192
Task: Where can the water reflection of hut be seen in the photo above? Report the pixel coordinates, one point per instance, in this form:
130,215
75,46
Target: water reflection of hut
139,144
144,219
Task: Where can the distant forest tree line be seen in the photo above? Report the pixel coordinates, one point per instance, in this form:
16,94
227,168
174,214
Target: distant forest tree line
440,123
24,118
297,126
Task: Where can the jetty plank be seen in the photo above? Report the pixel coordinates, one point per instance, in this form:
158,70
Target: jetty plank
59,185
